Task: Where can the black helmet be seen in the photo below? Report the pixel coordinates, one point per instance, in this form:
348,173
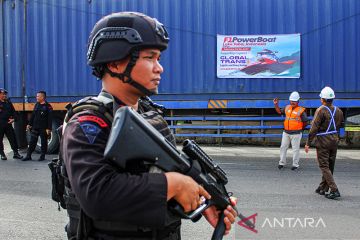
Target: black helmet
117,35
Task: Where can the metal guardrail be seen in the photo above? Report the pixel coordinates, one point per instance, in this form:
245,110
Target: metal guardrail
175,126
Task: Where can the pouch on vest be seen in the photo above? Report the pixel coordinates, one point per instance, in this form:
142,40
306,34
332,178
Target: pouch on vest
57,177
58,183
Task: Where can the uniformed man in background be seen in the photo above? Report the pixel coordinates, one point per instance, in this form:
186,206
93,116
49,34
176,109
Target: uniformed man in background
294,124
105,201
7,117
328,119
39,125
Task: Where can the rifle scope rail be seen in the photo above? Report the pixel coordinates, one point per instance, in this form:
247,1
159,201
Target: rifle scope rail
195,152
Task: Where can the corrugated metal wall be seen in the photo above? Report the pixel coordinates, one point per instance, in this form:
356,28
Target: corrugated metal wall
12,46
54,44
57,37
329,33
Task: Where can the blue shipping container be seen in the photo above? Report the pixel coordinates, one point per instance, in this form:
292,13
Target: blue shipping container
43,46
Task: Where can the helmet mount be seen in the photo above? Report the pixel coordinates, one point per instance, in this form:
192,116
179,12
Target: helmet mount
111,34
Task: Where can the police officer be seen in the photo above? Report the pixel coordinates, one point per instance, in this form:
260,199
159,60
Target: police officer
104,201
39,125
328,119
7,117
294,124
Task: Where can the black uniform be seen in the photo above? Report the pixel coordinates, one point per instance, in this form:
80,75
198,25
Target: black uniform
41,119
115,203
7,112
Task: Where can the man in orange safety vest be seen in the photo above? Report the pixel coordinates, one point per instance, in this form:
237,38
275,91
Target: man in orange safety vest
295,122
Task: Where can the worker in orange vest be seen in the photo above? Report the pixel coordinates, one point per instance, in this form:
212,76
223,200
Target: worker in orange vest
295,122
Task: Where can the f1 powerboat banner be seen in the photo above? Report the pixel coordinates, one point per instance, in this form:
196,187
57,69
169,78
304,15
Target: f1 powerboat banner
258,56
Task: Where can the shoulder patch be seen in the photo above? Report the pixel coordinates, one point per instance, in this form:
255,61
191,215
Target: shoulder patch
93,119
90,130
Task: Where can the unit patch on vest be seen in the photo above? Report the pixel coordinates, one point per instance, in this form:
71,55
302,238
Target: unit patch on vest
91,126
90,130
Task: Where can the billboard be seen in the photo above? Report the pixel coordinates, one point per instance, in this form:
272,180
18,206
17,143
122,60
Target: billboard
258,56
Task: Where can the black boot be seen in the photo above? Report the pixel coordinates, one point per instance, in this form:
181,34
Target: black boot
3,156
320,191
27,158
333,194
42,157
17,155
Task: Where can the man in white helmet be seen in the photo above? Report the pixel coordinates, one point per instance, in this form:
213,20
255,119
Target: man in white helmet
328,119
294,124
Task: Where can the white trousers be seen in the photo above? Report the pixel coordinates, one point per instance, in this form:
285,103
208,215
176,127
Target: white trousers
295,140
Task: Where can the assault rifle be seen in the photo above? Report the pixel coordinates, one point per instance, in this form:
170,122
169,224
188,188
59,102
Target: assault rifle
132,139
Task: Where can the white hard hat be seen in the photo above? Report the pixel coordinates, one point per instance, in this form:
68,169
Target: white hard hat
294,96
327,93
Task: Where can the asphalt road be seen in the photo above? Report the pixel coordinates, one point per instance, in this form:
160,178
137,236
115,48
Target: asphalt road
282,203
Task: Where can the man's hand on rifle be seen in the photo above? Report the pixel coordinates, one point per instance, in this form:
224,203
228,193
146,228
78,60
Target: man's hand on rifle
185,191
212,215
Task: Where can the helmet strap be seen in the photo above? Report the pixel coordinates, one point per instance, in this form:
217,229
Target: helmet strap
126,78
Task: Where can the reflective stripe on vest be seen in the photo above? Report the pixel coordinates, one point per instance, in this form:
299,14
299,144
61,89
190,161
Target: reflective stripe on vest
293,118
332,121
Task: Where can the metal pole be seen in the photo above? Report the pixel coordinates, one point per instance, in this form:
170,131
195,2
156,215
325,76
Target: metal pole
24,58
2,42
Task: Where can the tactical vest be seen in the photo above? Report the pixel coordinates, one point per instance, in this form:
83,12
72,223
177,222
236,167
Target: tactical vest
80,225
293,118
